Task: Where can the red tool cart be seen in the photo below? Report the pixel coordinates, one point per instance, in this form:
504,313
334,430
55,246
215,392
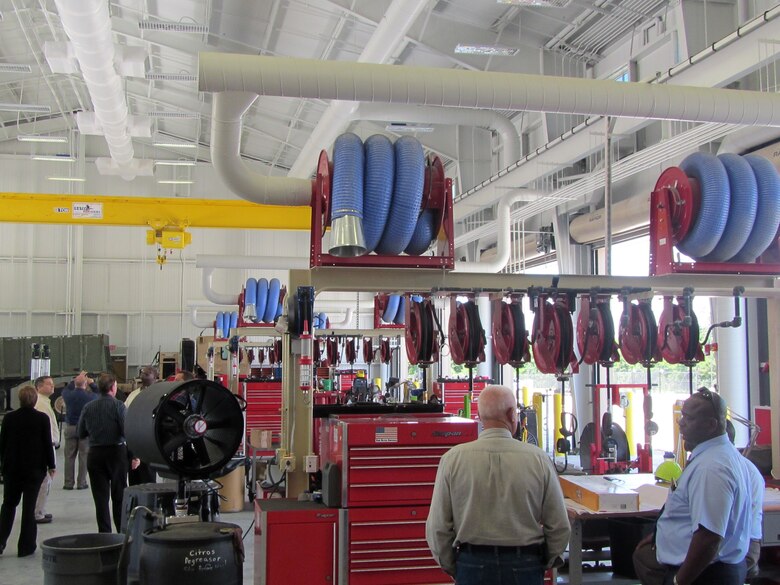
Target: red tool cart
263,410
380,470
452,392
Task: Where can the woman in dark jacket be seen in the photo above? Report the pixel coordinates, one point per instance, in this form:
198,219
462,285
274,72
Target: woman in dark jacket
26,455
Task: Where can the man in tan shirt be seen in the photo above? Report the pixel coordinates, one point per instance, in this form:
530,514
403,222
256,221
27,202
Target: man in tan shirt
45,388
497,508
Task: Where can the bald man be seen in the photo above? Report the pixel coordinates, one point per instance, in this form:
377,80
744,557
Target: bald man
497,509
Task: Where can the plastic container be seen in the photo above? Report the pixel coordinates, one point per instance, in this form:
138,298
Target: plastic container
81,559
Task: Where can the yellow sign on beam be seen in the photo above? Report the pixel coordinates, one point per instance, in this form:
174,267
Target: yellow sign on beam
146,211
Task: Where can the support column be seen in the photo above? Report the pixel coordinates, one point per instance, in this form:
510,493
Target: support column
773,326
731,361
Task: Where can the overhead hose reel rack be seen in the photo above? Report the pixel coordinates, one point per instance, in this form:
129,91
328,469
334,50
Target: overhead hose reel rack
379,201
466,335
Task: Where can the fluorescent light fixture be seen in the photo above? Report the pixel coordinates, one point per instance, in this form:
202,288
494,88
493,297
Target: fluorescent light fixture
54,158
486,50
176,182
180,115
168,26
67,179
33,108
151,76
175,163
42,138
407,128
15,68
176,144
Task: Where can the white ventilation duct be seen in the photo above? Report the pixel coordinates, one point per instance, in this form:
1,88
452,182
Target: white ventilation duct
306,78
347,320
227,111
389,33
209,262
527,251
199,323
488,119
503,233
88,25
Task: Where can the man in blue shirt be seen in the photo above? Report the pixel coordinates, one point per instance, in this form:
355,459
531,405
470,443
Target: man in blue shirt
81,390
703,532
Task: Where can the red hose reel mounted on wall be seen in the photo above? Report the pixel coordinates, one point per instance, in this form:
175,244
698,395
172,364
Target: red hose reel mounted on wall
552,333
510,337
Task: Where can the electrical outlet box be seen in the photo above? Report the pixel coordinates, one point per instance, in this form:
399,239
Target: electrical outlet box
312,463
287,463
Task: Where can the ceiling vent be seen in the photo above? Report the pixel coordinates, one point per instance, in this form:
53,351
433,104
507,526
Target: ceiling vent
167,26
540,3
170,77
15,68
179,115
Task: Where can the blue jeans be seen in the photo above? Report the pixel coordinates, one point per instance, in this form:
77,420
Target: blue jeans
498,568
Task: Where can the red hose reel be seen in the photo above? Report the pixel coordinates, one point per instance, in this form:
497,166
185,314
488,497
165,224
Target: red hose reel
510,337
596,331
422,346
638,333
333,351
678,332
385,352
552,335
368,350
466,335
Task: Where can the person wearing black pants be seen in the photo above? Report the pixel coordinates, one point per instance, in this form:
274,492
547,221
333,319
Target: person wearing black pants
103,422
26,455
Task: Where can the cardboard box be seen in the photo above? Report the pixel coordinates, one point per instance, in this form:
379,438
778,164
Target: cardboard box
600,494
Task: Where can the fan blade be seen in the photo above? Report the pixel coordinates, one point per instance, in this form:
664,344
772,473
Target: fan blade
174,443
202,451
172,410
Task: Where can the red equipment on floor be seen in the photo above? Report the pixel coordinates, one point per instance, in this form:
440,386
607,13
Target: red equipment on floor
452,393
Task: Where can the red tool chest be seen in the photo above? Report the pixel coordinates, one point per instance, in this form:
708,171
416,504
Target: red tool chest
451,392
390,460
264,409
386,546
295,542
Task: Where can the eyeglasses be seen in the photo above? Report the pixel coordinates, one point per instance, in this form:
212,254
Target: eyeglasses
710,397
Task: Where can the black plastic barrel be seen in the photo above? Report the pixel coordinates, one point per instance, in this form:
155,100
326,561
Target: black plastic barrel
198,553
81,559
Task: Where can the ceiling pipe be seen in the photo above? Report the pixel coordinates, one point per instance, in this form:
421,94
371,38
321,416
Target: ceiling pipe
347,320
488,119
227,110
307,78
504,234
88,26
388,35
198,323
215,297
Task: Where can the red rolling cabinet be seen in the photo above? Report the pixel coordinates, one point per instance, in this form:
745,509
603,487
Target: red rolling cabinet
295,542
389,460
263,409
386,546
452,392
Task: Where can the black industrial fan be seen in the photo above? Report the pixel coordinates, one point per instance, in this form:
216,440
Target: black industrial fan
190,428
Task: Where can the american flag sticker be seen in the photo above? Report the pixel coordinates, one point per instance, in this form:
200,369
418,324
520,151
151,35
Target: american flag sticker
386,435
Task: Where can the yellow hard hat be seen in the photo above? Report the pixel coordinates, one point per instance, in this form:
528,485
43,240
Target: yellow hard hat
669,471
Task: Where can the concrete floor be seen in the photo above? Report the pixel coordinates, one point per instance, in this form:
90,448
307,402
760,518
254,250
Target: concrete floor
74,513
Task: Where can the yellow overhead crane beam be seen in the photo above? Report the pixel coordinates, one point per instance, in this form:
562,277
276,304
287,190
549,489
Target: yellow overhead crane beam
167,217
150,212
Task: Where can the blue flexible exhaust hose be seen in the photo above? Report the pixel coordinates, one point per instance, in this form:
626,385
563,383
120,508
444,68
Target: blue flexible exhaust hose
391,309
218,324
347,196
417,298
273,300
768,214
743,206
221,329
423,234
250,300
262,297
323,320
378,189
233,321
400,315
315,322
407,195
713,213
